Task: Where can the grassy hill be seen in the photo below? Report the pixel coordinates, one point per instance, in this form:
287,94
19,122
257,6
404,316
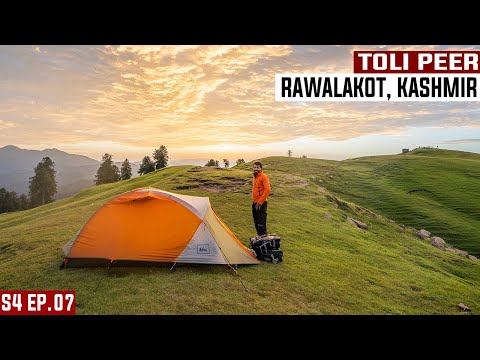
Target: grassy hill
434,189
330,266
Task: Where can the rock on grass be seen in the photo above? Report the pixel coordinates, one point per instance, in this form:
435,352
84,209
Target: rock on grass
424,234
438,242
464,307
357,223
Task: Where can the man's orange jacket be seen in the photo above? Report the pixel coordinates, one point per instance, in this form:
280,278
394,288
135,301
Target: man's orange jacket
260,188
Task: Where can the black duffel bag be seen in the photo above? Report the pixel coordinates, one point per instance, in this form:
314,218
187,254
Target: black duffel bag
267,247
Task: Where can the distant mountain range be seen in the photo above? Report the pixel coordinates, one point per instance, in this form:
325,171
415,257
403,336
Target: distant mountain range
74,172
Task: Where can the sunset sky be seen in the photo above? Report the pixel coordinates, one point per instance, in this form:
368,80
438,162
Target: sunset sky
208,102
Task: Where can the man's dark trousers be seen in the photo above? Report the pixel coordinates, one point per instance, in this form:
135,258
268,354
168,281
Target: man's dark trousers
260,218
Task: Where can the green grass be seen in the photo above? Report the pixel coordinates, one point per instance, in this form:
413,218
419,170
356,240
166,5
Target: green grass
330,266
434,189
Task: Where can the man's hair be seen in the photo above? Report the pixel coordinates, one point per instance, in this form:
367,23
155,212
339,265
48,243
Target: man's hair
258,163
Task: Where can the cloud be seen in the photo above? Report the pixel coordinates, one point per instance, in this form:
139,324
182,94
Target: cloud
188,97
6,125
461,141
36,49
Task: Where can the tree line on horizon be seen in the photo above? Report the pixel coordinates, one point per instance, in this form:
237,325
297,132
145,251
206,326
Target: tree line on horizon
43,185
108,172
226,162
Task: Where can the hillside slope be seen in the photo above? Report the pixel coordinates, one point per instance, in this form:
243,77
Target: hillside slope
330,266
434,189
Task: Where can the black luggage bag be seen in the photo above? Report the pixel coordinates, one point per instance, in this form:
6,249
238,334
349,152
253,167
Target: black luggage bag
267,247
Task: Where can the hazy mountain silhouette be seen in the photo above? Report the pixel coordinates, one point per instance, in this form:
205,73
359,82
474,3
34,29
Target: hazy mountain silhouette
74,172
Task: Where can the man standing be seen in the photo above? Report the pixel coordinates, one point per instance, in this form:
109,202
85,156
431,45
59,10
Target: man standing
260,192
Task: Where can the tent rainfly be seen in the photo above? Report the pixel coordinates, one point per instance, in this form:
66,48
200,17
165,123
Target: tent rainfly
149,225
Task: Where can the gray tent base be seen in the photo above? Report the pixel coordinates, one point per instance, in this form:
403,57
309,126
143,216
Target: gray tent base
105,263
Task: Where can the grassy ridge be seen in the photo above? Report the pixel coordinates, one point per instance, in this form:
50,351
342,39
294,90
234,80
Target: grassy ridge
330,266
438,190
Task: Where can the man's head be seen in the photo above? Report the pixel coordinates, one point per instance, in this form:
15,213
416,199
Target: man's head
257,167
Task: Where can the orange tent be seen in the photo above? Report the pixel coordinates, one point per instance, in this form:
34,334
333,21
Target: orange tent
152,225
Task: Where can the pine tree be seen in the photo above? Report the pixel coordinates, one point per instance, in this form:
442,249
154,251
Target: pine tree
126,170
4,201
226,163
212,162
43,185
146,166
14,201
107,172
10,201
24,202
160,157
